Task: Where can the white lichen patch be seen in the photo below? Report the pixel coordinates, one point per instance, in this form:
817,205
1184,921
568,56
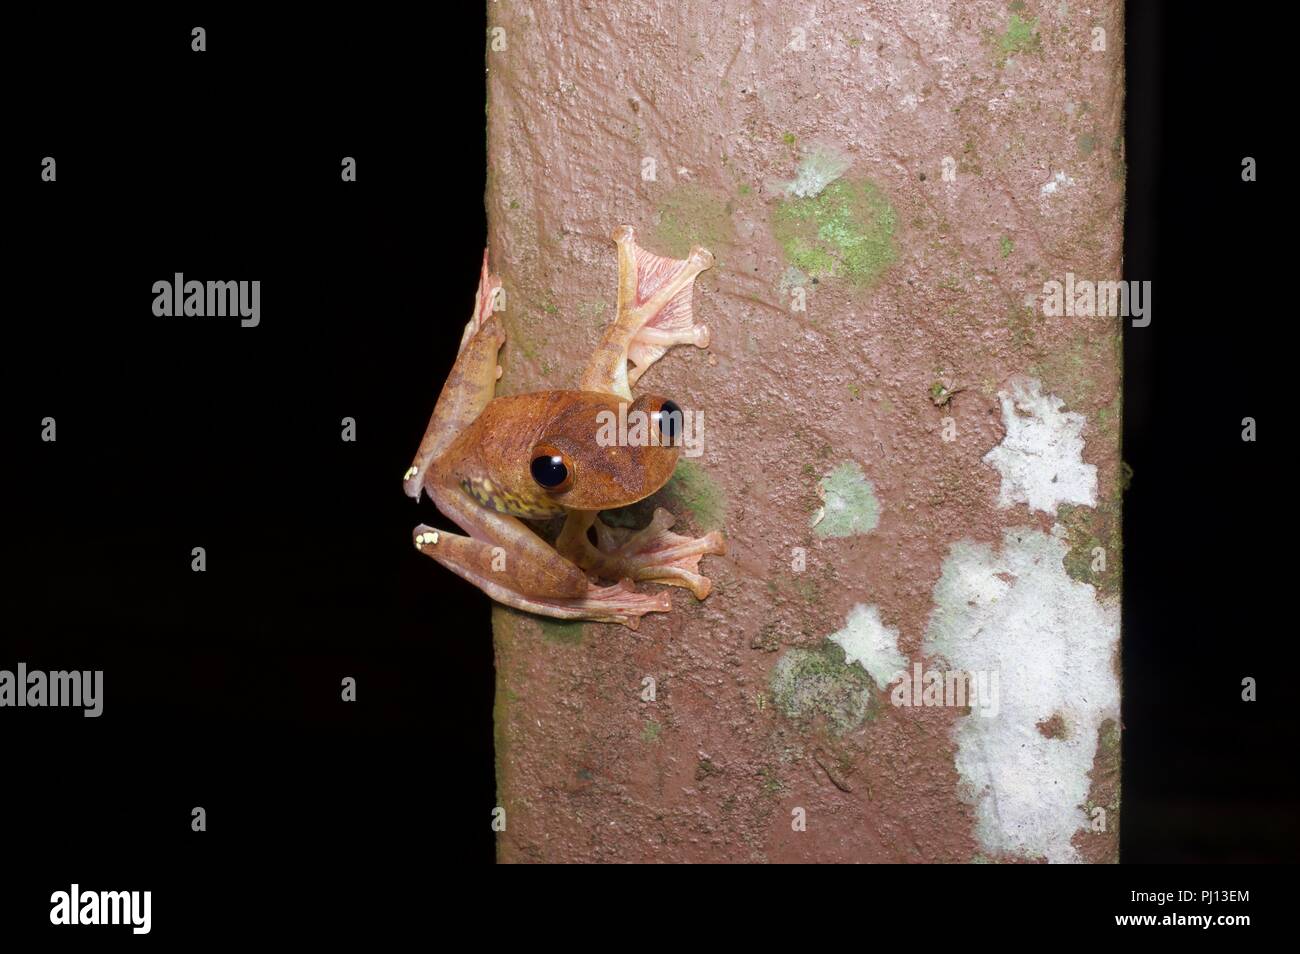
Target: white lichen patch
870,643
1041,456
820,167
849,503
1056,183
1018,613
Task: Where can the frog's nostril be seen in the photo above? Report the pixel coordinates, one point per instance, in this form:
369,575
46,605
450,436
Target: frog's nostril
669,419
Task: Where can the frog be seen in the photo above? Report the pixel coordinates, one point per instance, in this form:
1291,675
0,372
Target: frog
504,468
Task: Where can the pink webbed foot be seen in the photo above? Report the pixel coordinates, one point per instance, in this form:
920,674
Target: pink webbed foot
654,314
656,554
674,323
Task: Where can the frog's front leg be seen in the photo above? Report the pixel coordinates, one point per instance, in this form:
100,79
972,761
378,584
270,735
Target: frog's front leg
653,554
515,566
469,386
654,314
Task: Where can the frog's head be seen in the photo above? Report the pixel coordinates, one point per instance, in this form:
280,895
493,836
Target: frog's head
600,453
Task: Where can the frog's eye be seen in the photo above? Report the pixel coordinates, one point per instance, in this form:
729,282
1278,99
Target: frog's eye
551,469
669,421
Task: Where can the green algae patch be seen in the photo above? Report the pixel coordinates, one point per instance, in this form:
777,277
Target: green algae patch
845,231
1020,36
691,488
849,503
688,215
691,493
817,685
564,632
1095,553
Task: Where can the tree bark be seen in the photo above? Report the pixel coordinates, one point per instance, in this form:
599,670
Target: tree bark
915,462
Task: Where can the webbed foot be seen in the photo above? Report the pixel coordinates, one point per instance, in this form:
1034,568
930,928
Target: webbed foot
652,555
654,314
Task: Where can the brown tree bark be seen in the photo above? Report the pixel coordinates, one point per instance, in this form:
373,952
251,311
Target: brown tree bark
916,462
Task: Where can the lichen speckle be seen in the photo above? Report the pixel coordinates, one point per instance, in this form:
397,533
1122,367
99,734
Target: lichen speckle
1061,180
819,685
1040,458
791,278
820,167
1095,552
849,503
846,231
866,640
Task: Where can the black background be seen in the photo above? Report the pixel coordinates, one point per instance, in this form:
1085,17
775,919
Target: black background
222,688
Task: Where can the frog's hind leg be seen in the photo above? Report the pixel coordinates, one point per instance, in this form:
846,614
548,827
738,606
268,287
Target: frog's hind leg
473,560
471,384
654,314
654,554
515,566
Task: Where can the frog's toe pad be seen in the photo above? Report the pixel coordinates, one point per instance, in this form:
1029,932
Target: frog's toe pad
658,555
485,302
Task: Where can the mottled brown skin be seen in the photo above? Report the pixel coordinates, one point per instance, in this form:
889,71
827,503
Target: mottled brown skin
498,447
476,456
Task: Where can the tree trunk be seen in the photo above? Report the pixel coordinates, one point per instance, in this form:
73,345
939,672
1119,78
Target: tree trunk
912,451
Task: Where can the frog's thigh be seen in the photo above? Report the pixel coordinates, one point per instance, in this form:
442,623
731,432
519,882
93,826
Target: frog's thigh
516,559
470,559
470,385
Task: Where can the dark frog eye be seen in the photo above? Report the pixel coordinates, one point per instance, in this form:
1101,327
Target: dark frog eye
669,421
551,469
